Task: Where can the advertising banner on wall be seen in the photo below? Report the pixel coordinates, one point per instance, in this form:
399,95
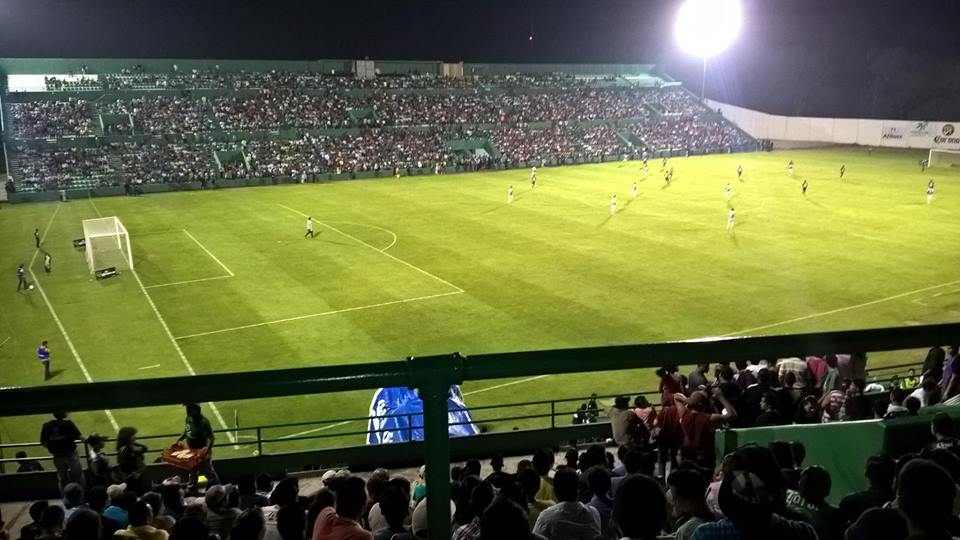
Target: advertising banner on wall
893,132
921,134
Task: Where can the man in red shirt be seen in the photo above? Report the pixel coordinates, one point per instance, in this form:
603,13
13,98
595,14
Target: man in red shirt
344,522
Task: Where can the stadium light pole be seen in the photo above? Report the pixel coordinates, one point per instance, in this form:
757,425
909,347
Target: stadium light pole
704,28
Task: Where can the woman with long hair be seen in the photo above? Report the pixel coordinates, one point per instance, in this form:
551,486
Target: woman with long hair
130,459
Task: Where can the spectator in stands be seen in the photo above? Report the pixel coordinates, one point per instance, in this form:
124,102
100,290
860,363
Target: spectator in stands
84,524
219,517
529,482
639,508
698,424
808,411
190,528
98,501
769,415
395,507
72,498
59,437
569,519
463,514
817,367
99,471
504,519
798,367
325,498
172,500
140,517
159,519
199,436
808,503
928,392
896,408
121,502
925,499
376,483
286,494
944,429
670,383
498,477
247,487
543,460
624,422
912,404
879,471
32,529
130,459
598,478
697,379
933,363
480,498
25,464
342,523
291,523
51,523
645,411
750,497
745,377
249,525
688,491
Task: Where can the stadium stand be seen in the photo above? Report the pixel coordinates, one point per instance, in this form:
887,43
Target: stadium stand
84,130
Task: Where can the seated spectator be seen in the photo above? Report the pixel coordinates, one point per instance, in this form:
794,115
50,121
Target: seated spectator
944,429
249,497
50,525
25,464
32,529
343,522
140,517
84,524
72,498
505,519
750,495
808,411
529,482
569,519
287,493
928,392
543,460
376,483
121,502
925,497
879,472
688,491
172,500
219,516
463,514
480,498
598,478
498,477
639,509
808,503
249,525
395,507
896,408
624,422
912,405
291,523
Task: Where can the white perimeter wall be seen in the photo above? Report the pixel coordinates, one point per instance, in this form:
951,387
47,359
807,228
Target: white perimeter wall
892,133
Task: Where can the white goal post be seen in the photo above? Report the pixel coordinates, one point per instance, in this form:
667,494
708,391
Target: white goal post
107,244
943,158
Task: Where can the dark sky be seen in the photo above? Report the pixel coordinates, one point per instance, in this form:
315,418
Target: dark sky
868,58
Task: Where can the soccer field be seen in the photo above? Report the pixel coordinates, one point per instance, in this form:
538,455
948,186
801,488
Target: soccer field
225,280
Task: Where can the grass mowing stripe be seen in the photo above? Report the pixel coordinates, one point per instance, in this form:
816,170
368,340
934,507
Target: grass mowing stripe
56,318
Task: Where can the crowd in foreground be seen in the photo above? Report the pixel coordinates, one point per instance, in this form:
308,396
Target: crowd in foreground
755,493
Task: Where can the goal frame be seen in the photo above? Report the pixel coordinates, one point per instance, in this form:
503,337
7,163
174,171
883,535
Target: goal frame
99,230
952,161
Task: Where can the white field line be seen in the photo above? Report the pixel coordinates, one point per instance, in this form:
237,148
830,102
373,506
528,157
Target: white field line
207,251
56,319
321,314
388,231
315,430
504,385
176,346
186,282
149,367
361,242
4,342
843,309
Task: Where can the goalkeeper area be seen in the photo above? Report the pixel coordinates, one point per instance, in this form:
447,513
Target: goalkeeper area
943,158
225,281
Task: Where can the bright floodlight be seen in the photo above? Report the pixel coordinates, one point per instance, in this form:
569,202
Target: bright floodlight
707,27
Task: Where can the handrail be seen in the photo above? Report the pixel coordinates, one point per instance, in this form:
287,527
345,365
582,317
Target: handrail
433,375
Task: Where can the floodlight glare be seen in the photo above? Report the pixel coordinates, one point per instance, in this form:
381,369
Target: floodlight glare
705,28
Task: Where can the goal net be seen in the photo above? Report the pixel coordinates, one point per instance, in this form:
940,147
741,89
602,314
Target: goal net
108,244
943,158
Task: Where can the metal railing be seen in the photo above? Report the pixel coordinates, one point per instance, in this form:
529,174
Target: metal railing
433,376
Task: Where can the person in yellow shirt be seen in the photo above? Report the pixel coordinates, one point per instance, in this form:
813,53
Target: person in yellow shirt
543,463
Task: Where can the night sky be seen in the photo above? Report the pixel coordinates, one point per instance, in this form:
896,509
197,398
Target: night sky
863,58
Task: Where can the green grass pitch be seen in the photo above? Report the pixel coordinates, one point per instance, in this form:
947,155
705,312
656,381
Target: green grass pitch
428,265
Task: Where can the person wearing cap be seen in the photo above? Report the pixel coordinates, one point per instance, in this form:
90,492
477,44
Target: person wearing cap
72,499
623,421
751,494
199,436
219,517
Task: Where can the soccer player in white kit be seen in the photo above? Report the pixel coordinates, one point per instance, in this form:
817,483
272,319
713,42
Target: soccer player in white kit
510,195
730,218
634,190
309,228
613,205
790,168
533,178
930,192
728,190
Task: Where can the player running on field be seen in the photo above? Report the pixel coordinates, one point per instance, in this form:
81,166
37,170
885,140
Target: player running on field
309,228
803,187
510,195
728,191
634,190
533,178
790,168
930,192
613,205
739,172
843,170
730,217
663,164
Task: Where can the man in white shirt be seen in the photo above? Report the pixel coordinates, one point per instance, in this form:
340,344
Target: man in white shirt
569,519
